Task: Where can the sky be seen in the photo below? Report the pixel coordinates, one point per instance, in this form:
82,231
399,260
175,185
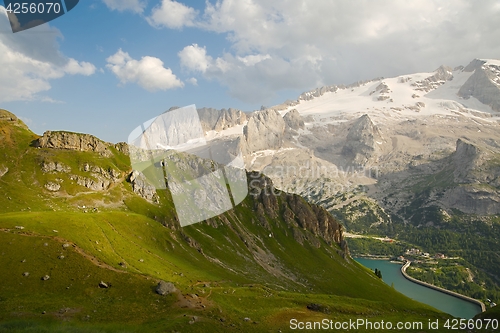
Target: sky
109,65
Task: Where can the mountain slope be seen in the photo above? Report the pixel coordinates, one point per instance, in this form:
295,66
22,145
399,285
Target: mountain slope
69,212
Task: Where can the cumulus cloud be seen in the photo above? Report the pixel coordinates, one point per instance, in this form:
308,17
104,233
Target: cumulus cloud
297,44
84,68
30,61
195,58
327,42
148,72
172,14
136,6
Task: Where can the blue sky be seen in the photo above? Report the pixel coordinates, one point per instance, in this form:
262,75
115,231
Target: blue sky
109,65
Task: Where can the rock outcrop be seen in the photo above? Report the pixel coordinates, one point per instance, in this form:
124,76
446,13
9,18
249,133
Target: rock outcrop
294,120
264,130
100,179
298,214
484,83
219,120
440,76
74,141
142,187
360,143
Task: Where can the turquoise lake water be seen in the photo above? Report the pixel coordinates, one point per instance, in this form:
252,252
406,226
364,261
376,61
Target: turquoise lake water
391,273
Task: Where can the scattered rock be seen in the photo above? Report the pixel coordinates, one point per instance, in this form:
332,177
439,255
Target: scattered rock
66,245
122,264
164,288
19,227
246,319
103,284
45,277
26,274
60,257
53,187
141,260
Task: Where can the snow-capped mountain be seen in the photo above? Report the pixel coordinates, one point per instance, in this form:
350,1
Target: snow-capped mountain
383,135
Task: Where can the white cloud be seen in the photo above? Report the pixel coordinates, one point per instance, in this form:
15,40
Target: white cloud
195,58
84,68
193,81
172,14
282,44
148,72
30,61
136,6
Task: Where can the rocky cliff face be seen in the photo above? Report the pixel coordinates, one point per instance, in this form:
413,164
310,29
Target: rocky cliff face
142,187
219,120
74,141
360,143
297,213
484,84
294,120
264,130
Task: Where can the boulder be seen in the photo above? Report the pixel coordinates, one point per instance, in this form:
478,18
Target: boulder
164,288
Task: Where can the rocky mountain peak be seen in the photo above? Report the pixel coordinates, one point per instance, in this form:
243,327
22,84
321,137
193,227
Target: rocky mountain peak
483,84
219,120
264,130
360,144
293,120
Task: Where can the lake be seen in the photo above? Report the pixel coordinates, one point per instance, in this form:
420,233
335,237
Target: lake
391,273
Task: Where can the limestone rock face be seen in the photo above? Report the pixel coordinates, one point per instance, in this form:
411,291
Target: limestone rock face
305,219
219,120
467,156
484,84
473,200
142,187
55,166
264,130
294,120
360,144
74,141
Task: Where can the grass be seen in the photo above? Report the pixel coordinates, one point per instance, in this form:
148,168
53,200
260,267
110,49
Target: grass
230,265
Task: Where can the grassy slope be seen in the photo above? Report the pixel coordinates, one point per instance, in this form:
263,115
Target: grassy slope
231,281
